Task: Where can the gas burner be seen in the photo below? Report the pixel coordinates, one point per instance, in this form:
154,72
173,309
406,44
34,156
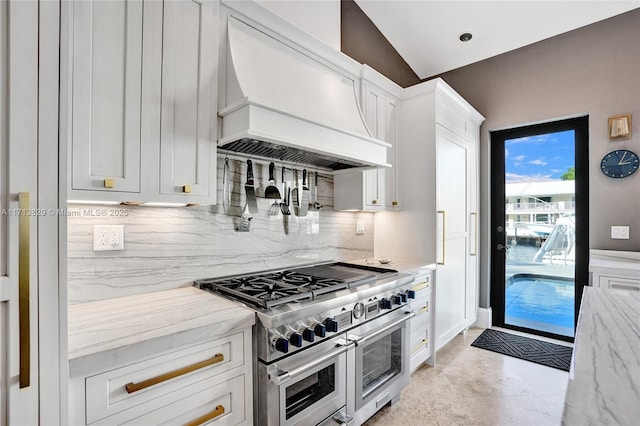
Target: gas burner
265,290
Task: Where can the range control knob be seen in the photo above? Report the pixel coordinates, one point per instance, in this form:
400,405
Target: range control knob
411,294
358,310
281,344
295,339
403,297
396,299
331,324
308,334
385,303
320,330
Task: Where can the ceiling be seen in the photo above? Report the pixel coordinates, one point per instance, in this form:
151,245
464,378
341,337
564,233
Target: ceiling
426,33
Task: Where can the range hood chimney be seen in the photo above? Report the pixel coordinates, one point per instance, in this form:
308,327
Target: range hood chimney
283,104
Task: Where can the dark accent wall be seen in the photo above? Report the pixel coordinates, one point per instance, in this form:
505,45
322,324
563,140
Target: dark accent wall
593,70
363,41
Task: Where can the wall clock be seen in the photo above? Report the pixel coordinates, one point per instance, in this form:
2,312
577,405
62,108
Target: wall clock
619,163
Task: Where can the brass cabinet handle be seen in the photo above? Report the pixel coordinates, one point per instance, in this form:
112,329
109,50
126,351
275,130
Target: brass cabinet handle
374,202
109,183
423,310
134,387
186,189
205,418
444,216
419,345
394,203
475,236
24,319
420,286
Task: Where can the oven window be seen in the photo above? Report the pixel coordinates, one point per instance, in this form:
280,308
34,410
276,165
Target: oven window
306,392
381,361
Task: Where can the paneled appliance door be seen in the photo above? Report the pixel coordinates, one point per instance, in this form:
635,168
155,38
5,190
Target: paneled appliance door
381,363
305,388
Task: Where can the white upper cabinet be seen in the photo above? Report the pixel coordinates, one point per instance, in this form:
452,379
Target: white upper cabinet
188,112
105,59
139,83
374,189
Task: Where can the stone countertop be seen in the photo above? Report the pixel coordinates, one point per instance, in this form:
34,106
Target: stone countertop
115,331
604,381
411,266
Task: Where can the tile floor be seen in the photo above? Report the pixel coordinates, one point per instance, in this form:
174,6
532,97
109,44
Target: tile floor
472,386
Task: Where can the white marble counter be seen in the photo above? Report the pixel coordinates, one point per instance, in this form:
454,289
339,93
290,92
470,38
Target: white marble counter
127,328
411,266
604,381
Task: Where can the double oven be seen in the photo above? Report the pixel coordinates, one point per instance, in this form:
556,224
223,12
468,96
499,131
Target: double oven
337,357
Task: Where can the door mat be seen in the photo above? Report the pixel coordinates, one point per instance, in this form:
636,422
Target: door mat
549,354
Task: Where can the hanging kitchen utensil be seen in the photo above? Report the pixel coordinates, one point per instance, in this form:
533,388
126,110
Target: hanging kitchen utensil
250,190
316,204
272,190
295,194
284,205
245,220
226,186
304,199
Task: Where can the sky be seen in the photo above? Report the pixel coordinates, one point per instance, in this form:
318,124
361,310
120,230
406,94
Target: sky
539,158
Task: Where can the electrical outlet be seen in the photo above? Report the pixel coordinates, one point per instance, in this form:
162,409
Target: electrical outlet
620,232
108,237
359,227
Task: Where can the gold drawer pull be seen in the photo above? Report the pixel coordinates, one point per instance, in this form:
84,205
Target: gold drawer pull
421,286
209,416
394,203
374,202
419,345
24,299
109,183
186,189
423,310
134,387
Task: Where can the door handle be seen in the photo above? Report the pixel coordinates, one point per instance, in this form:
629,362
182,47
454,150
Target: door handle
24,317
444,217
501,247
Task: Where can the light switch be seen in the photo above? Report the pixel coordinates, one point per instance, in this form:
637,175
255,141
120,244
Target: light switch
359,227
619,232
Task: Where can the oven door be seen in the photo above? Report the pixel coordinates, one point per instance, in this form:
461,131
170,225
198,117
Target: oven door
306,387
381,363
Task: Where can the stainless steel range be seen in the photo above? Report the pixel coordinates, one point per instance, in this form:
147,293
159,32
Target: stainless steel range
330,341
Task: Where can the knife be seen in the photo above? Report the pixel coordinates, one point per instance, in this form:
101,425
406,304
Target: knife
304,199
250,190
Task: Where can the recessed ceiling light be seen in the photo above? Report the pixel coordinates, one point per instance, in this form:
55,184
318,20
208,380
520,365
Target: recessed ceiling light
465,37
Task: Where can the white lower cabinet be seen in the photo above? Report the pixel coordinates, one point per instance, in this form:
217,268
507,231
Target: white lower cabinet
204,383
421,326
617,270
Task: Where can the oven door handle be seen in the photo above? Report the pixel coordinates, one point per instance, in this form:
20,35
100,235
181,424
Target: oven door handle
288,375
360,340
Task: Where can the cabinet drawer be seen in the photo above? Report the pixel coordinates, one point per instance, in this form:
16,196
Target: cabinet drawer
418,329
422,286
107,394
619,283
219,405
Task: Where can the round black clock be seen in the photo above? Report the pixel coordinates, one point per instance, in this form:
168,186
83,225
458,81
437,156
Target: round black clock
620,163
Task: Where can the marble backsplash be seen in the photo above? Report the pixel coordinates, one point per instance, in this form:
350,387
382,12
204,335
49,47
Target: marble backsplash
169,247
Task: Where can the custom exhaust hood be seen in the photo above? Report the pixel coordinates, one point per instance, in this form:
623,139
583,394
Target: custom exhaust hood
280,103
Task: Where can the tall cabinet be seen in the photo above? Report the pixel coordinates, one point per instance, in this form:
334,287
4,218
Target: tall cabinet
30,363
437,166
